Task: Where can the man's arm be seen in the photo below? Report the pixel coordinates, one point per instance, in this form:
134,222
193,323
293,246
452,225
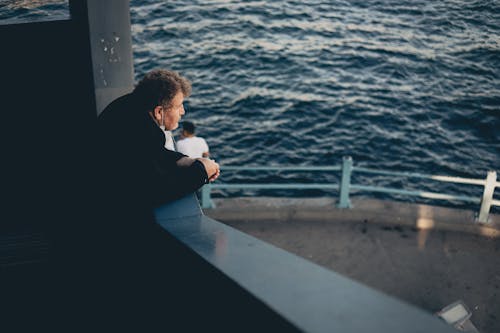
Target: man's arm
172,179
211,167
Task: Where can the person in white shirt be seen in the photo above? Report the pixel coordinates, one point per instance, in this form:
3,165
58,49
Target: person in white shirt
190,144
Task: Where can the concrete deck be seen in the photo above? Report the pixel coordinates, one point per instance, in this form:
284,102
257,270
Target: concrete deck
428,256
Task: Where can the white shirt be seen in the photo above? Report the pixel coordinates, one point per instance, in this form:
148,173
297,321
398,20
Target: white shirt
169,141
193,147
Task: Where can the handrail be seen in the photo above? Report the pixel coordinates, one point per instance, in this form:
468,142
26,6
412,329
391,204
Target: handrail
459,180
282,168
275,186
345,186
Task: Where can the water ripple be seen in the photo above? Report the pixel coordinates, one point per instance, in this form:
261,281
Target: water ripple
411,85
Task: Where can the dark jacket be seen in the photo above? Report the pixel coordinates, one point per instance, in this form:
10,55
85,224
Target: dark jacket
134,160
135,173
121,259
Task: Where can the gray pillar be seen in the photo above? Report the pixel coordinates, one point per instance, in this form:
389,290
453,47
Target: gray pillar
111,49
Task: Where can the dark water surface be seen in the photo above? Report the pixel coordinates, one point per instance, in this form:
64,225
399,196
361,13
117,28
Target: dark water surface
412,85
398,85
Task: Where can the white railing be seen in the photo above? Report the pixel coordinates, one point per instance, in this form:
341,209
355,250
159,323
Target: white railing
486,201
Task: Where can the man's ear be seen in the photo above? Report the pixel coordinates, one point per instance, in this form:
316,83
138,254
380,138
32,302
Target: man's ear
157,112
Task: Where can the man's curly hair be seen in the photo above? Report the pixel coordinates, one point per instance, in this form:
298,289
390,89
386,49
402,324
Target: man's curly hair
159,87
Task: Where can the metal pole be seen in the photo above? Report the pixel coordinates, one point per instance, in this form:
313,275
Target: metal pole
206,200
489,188
345,183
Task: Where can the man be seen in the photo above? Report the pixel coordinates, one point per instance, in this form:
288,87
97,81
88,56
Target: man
136,173
138,168
191,145
126,261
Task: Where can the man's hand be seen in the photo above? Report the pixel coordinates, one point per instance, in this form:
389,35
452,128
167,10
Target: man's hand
211,167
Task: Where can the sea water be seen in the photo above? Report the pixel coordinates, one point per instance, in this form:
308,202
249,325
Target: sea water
398,85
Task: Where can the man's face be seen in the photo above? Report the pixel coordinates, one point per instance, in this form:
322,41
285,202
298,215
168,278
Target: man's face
173,114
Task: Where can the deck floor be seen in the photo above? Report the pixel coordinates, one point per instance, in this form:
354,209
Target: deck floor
429,268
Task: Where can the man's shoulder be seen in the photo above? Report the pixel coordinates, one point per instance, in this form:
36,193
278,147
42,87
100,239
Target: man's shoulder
123,102
198,139
202,141
181,142
191,141
186,141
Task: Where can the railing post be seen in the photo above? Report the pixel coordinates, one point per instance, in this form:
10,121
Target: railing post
206,200
345,183
489,188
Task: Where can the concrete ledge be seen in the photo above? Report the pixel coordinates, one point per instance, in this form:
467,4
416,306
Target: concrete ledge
307,296
364,210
